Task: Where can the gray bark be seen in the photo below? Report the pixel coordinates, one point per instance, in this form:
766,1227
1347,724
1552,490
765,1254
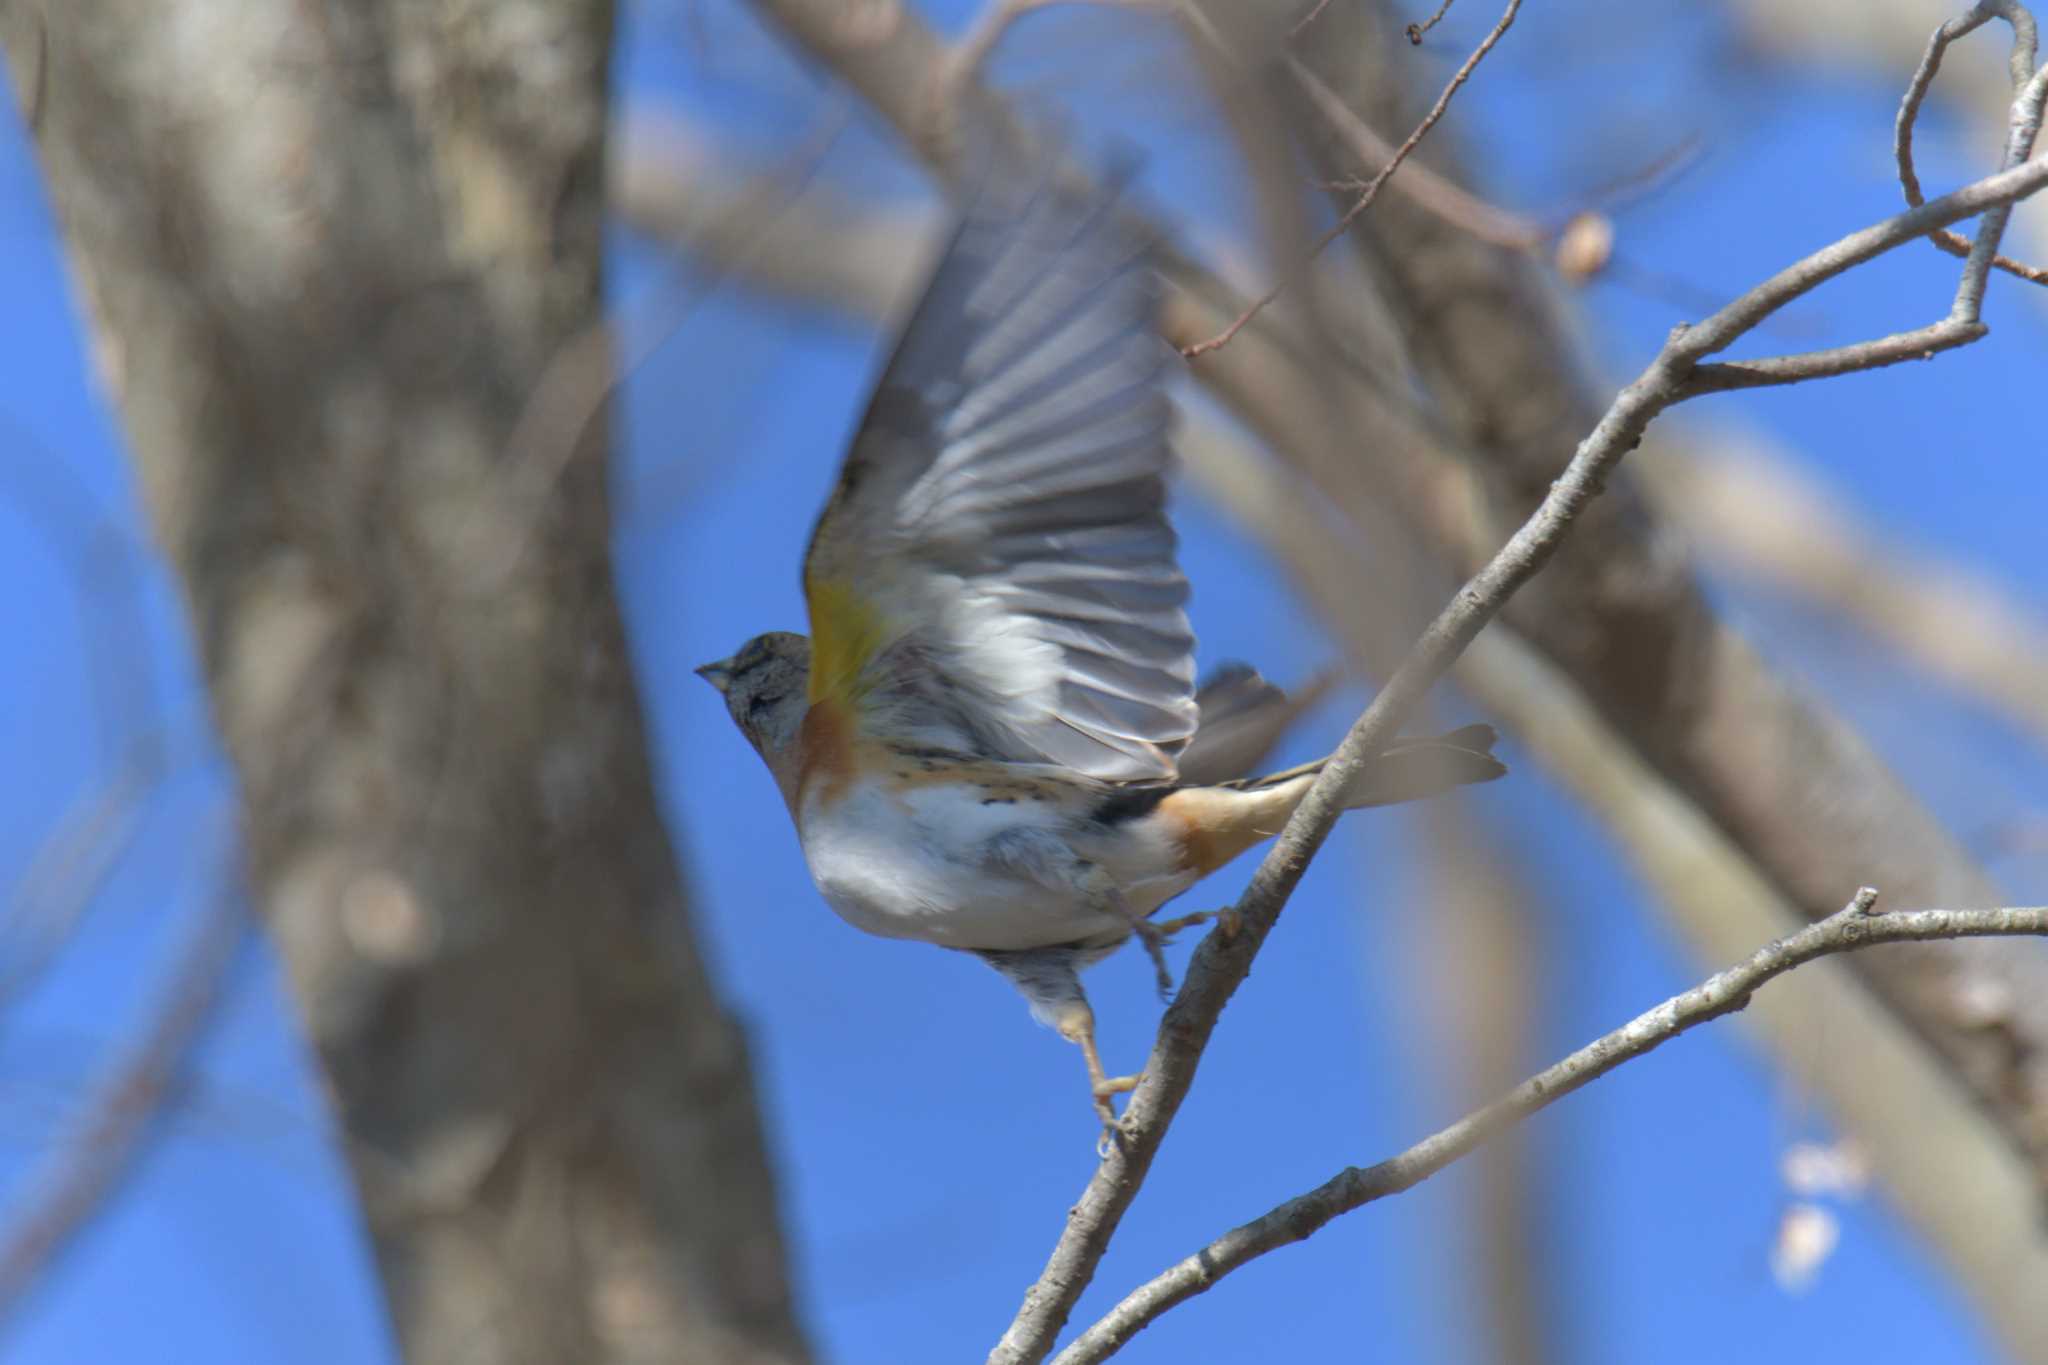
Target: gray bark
328,253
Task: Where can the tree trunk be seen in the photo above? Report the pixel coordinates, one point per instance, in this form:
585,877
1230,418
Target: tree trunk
329,253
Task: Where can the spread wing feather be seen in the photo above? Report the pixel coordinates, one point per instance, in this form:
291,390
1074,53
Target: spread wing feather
995,573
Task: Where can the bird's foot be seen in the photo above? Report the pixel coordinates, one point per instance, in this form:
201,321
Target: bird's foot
1156,934
1102,1089
1227,919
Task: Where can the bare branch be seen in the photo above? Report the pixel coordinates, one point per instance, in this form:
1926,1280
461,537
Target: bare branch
560,417
1623,612
1947,1166
1448,201
892,72
1415,31
1922,343
70,868
1315,13
1379,180
669,180
1584,237
1755,513
1993,197
1222,961
964,62
2022,66
1955,1176
90,1165
1854,926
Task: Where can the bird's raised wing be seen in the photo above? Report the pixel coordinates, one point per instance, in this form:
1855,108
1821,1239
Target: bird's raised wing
995,572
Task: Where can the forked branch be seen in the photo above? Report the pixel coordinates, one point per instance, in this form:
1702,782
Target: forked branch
2028,86
1678,372
1371,190
1856,925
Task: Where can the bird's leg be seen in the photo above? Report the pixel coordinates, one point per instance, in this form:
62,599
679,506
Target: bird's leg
1155,937
1094,882
1076,1024
1050,980
1156,934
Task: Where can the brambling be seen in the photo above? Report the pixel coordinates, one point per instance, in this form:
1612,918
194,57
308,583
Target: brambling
991,740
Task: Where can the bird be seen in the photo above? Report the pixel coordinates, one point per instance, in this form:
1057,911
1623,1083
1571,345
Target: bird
992,739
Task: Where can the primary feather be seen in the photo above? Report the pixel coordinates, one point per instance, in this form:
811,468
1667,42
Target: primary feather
994,573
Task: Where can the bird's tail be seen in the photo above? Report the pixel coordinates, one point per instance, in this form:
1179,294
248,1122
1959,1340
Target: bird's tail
1216,823
1406,770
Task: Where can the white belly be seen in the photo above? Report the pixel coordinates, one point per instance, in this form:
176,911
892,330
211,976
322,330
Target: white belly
916,864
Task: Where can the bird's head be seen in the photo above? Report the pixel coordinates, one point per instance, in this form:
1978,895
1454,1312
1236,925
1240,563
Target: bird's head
764,685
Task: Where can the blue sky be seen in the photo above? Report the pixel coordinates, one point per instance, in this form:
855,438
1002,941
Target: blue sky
929,1137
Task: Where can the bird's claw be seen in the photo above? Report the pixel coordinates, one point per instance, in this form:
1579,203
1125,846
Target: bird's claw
1156,934
1155,937
1101,1091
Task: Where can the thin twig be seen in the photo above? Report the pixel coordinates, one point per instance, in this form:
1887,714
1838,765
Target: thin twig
1922,343
560,415
61,884
1751,511
1372,186
965,59
971,52
1415,31
1457,205
1309,18
2022,61
1221,963
91,1164
70,869
1852,927
1452,203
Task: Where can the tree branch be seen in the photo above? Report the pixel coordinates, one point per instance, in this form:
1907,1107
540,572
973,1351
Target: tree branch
1222,961
892,70
1372,188
1748,508
1623,613
1951,1170
90,1165
1955,1176
2022,67
1854,926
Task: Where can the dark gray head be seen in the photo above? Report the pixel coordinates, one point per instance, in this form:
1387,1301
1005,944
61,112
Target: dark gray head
764,686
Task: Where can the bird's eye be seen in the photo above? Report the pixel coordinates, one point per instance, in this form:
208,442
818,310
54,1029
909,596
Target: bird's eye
761,702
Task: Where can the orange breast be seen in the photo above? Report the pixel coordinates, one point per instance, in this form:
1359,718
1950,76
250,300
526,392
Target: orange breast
826,742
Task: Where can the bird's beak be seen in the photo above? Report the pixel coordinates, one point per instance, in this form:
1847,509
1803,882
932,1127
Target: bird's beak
718,673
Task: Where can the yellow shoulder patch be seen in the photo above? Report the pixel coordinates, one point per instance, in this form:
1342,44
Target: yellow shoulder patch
845,634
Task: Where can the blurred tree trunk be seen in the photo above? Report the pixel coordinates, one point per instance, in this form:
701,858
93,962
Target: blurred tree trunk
328,253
